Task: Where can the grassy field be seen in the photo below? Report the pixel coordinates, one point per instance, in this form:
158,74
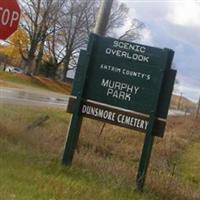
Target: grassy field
105,164
30,161
189,165
26,175
21,81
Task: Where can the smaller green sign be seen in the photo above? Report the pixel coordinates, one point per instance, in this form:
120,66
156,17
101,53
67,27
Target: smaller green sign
117,116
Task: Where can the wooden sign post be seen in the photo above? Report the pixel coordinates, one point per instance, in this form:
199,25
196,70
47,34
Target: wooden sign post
75,124
125,84
149,138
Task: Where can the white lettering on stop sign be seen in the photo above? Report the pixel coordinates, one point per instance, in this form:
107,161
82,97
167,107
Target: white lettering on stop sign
8,17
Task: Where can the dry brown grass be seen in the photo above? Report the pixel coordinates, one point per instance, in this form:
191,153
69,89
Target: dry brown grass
8,84
163,175
22,80
48,137
114,154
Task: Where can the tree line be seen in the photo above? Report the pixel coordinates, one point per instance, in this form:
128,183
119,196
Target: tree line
52,32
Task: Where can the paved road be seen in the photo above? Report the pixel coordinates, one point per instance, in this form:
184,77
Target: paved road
33,97
38,97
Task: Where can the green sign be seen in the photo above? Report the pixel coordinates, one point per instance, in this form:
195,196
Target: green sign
122,83
125,75
125,83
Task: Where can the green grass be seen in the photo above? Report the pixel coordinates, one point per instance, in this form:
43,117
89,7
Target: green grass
189,165
28,175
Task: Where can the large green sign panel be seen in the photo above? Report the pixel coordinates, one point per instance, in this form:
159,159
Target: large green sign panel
125,75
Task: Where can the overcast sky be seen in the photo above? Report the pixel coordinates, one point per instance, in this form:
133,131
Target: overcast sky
175,25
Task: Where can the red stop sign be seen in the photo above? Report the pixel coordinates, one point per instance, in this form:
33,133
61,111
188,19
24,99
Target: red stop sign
9,17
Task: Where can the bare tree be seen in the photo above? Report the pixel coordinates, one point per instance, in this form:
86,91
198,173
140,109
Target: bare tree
134,31
118,19
38,17
4,60
80,19
75,25
59,28
55,48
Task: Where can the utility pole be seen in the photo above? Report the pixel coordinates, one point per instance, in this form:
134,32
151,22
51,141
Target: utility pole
101,23
179,102
198,108
103,17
